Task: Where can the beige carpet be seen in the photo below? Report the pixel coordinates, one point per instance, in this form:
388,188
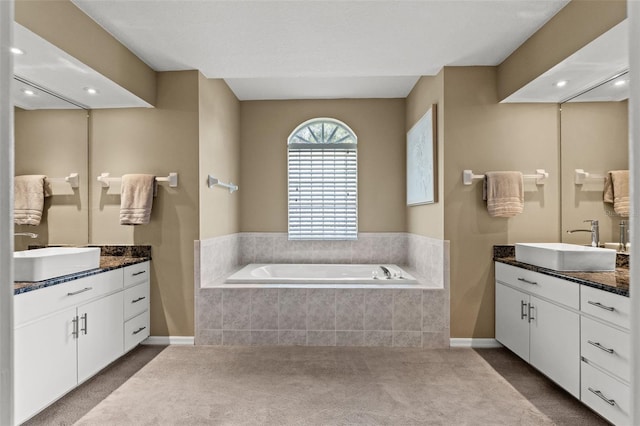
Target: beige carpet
206,385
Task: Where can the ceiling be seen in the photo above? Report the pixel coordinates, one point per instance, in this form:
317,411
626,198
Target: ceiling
603,58
320,49
62,75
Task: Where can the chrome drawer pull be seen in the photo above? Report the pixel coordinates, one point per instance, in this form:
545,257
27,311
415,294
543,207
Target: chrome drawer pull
523,311
138,299
73,293
527,281
139,330
135,274
601,306
601,396
84,318
599,346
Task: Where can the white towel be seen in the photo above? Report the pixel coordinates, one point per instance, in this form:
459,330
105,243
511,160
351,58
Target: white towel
29,193
504,192
136,199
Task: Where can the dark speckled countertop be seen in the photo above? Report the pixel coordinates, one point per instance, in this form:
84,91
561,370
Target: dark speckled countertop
614,282
111,257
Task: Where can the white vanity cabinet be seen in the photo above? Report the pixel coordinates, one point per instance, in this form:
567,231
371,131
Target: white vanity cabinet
66,333
606,353
537,318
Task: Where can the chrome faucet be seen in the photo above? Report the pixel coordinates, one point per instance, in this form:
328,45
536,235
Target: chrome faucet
595,232
25,234
623,236
386,271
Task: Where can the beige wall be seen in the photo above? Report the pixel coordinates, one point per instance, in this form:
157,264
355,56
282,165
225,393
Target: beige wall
594,137
61,23
219,112
380,127
577,24
157,141
54,143
483,135
428,219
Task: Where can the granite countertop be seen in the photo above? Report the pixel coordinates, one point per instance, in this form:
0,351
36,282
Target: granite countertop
111,257
614,282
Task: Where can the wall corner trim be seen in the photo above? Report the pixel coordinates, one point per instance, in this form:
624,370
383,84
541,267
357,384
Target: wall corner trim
474,343
169,340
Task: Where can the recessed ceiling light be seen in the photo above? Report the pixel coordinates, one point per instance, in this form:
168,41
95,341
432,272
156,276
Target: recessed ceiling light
17,51
91,90
28,92
620,83
561,83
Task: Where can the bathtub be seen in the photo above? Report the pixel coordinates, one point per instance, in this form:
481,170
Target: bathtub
280,273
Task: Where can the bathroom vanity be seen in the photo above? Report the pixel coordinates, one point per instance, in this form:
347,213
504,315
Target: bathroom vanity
571,326
68,328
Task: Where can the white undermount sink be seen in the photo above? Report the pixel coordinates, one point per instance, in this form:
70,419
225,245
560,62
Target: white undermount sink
52,262
566,257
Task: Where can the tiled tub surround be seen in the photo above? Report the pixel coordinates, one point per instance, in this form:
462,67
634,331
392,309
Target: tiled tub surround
232,314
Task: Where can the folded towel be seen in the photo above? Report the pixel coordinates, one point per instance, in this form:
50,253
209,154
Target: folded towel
616,191
136,199
504,192
29,193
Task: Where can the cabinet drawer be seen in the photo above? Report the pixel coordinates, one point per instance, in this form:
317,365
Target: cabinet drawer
605,395
136,300
555,289
136,274
136,330
41,302
607,306
606,346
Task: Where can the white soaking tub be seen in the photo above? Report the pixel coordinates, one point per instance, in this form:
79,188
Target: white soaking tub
332,274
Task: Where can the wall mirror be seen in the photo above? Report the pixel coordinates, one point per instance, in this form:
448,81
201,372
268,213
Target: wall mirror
51,138
594,137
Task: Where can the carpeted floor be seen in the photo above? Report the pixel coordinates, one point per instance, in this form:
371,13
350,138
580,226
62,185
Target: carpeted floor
206,385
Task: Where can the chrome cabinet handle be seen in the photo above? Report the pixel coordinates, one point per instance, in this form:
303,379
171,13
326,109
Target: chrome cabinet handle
73,293
523,311
138,299
599,394
138,273
531,308
601,306
527,281
84,318
599,346
75,333
139,330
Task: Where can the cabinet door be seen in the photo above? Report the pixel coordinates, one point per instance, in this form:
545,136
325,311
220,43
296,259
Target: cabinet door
555,344
101,338
44,362
512,328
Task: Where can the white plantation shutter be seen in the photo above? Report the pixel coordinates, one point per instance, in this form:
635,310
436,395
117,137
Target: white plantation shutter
323,182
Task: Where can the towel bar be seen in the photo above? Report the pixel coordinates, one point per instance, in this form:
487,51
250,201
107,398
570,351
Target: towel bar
73,180
105,179
582,177
540,176
211,182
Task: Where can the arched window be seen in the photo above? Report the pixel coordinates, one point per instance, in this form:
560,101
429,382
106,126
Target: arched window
323,181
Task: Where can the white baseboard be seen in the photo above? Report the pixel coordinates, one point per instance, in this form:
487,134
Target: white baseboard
474,343
169,340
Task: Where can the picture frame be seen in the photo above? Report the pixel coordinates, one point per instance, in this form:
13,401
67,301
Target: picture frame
422,160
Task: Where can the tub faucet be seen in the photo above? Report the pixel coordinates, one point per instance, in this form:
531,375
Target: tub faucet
386,271
595,232
25,234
